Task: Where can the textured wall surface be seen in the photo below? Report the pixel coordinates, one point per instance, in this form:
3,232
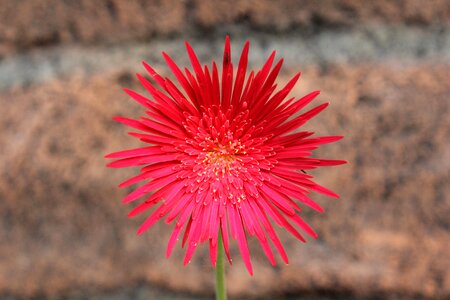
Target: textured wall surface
25,24
64,233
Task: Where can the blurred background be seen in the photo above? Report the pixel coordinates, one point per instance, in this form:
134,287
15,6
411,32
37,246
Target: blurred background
384,65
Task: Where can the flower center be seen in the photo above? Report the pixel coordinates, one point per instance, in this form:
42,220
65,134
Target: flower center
223,156
223,159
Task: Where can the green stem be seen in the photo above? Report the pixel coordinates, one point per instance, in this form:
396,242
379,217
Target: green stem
221,293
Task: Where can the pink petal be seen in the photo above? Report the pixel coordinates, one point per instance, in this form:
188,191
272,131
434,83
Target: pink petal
242,240
270,231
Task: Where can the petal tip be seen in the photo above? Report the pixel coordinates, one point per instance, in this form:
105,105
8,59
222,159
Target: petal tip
111,165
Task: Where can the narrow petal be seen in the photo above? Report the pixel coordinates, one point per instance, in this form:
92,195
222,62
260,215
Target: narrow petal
195,63
135,152
242,240
153,73
179,75
249,214
270,231
146,188
240,76
227,74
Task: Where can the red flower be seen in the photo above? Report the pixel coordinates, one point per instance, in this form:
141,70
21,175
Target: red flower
223,155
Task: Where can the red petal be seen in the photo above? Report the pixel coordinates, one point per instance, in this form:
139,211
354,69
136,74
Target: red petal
242,239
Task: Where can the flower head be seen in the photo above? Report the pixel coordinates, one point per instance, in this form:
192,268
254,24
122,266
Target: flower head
224,156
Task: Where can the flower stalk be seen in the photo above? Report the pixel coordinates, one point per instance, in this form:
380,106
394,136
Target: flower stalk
221,290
